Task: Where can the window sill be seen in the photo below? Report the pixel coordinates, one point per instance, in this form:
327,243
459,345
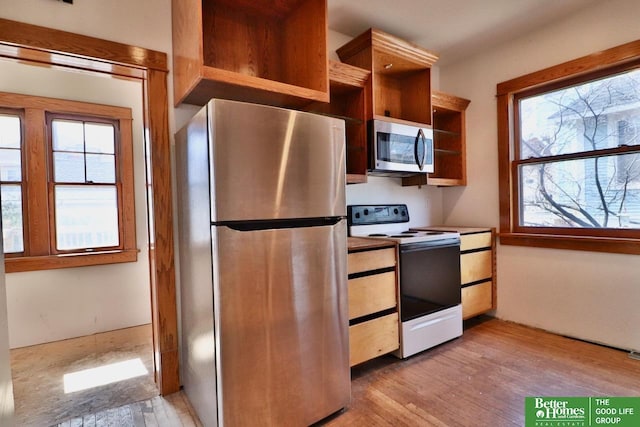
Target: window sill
50,262
577,243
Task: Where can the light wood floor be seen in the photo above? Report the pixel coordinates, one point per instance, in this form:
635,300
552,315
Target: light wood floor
480,379
38,372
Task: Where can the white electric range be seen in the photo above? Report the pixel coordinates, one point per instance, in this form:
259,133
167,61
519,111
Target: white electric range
429,291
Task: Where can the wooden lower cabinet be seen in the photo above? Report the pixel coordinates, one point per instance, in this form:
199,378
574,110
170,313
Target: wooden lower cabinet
372,294
477,299
373,299
477,271
476,266
370,260
373,338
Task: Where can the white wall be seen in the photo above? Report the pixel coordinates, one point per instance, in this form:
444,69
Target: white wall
50,305
588,295
424,204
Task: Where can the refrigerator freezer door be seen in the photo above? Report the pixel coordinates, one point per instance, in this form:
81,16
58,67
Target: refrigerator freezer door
281,324
272,163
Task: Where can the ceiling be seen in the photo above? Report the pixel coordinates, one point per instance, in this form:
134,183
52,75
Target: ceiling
451,28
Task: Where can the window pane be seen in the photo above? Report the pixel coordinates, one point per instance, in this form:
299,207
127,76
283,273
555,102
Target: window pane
68,167
99,138
599,114
12,237
86,217
10,165
9,131
599,192
101,168
67,135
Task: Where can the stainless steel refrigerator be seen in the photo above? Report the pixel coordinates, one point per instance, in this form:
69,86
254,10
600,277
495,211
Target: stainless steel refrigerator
263,281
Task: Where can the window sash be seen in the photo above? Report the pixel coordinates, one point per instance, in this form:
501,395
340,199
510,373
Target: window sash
85,182
21,183
54,225
605,63
517,162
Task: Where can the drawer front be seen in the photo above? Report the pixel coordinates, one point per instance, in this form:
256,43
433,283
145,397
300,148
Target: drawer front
430,330
477,299
475,241
370,294
373,338
358,262
475,266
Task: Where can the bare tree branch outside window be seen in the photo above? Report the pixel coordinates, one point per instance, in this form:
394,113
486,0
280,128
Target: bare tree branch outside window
575,167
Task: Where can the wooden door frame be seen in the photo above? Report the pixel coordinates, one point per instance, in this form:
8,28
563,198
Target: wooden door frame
55,48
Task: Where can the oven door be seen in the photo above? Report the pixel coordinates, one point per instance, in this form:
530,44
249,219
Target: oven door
429,277
401,148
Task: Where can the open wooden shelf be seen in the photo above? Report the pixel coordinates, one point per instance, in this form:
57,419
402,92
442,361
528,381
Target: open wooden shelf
257,51
449,143
400,86
347,101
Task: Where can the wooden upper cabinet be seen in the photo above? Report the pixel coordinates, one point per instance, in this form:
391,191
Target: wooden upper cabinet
449,140
269,52
348,102
400,84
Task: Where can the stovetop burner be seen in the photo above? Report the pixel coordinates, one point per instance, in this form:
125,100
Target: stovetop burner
390,222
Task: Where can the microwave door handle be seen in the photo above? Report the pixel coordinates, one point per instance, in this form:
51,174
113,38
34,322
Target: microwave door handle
416,152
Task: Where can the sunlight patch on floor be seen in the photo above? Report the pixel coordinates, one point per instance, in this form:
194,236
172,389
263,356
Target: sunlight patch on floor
103,375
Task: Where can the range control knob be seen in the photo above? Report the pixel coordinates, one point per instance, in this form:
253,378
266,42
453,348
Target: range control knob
395,211
366,211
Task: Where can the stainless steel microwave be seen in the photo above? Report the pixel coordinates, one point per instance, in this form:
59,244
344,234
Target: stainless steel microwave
399,149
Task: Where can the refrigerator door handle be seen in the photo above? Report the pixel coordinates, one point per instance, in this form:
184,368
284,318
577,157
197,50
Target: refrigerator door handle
275,224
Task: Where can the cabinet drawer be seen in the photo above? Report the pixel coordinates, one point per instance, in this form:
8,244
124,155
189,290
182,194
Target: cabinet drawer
477,299
373,338
475,266
370,294
475,241
358,262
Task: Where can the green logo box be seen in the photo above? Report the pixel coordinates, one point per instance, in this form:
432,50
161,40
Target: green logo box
582,411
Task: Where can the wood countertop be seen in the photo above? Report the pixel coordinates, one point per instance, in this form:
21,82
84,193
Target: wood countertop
363,243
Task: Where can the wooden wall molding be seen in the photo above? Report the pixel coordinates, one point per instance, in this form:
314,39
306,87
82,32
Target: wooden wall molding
26,42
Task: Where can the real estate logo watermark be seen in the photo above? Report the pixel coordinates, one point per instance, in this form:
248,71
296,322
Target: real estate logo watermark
582,411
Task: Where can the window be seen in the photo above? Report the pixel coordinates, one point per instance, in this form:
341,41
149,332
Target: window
11,180
570,155
66,177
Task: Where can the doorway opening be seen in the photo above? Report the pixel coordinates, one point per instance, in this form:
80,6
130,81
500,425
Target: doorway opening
61,50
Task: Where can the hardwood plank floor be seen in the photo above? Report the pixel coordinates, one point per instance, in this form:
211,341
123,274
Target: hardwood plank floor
480,379
170,411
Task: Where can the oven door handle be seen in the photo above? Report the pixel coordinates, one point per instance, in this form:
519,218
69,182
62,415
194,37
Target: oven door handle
425,246
432,322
